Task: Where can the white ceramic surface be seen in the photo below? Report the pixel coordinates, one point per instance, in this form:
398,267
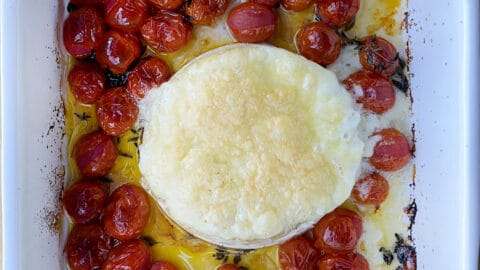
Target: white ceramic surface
444,45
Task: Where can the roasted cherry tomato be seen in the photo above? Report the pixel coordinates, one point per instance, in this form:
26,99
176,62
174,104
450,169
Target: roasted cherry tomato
166,31
353,261
84,3
296,5
127,212
95,154
338,231
268,3
118,50
373,91
205,11
87,82
319,43
337,13
378,55
82,32
84,201
134,255
298,253
250,22
148,73
371,189
162,265
117,111
87,247
391,152
126,15
167,4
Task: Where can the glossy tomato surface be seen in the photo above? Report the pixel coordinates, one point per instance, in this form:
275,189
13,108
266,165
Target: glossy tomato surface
372,189
205,11
319,43
131,255
148,73
296,5
126,15
87,82
298,253
84,201
118,50
337,13
162,265
378,55
391,152
95,154
117,111
251,22
268,3
167,4
353,261
82,32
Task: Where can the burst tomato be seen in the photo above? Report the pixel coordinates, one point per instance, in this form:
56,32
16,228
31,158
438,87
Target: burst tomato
134,255
117,51
205,11
378,55
148,73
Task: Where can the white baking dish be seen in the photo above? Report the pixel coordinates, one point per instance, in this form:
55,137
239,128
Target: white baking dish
444,44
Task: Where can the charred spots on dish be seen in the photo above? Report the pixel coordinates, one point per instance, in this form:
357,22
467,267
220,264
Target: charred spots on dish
114,80
400,77
411,211
82,117
405,253
387,255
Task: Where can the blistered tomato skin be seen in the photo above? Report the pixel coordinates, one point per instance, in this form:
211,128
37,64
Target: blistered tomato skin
134,255
117,111
87,247
353,261
338,232
391,152
376,93
82,32
148,73
337,13
251,23
371,189
296,5
319,43
95,154
204,12
378,55
84,201
166,31
118,50
126,15
167,4
127,212
298,253
268,3
87,82
162,265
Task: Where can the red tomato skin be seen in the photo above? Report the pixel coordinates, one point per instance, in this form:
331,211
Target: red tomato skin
337,13
117,111
296,5
82,32
371,190
127,212
268,3
126,15
203,12
87,82
338,232
148,73
166,31
353,261
167,4
251,23
298,253
134,255
117,51
378,94
162,265
84,200
378,55
391,152
87,247
319,43
95,154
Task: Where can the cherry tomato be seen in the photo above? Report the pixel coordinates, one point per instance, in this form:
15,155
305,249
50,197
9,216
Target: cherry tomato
319,43
117,111
134,255
84,201
337,13
167,4
353,261
82,32
166,31
251,23
127,212
83,3
373,91
126,15
296,5
378,55
95,154
205,11
268,3
338,232
162,265
148,73
87,82
298,253
87,247
391,152
371,189
117,51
